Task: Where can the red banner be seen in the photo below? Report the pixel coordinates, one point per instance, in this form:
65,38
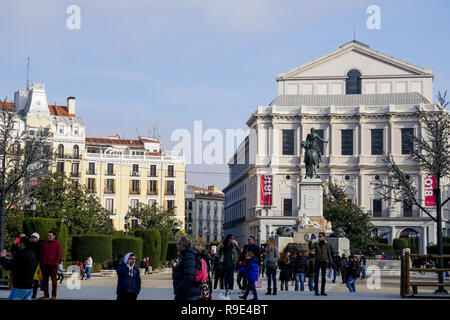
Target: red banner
266,190
430,185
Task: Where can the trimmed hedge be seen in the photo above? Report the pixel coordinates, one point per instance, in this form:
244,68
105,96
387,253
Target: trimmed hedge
164,244
433,248
383,246
151,247
121,246
401,243
172,251
43,226
97,245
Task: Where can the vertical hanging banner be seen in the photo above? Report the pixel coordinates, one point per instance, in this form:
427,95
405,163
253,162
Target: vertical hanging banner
266,190
430,185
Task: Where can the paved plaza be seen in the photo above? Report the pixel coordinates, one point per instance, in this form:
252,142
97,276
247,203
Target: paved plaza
158,286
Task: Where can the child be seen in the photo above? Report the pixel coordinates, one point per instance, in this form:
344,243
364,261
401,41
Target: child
241,276
60,271
251,272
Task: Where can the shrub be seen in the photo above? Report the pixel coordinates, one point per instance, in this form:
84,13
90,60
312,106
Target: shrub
433,248
43,226
401,243
97,245
151,246
171,251
164,243
121,246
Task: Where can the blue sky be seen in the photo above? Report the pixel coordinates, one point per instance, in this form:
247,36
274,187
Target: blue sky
136,62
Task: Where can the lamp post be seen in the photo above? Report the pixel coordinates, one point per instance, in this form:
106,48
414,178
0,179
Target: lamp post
33,206
127,225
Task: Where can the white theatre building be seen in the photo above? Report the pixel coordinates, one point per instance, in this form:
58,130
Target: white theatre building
363,102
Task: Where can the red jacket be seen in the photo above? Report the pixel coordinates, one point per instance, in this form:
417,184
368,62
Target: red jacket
51,252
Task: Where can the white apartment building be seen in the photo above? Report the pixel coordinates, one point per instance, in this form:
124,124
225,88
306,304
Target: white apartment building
360,100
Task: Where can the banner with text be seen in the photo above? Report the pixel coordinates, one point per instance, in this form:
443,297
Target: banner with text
430,185
266,190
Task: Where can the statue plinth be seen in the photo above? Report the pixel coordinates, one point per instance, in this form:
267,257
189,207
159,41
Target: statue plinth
311,198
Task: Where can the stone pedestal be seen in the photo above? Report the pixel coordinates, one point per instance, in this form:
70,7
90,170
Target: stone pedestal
311,198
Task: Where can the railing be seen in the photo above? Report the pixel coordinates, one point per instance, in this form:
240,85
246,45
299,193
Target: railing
134,174
134,191
166,155
152,174
109,173
90,172
152,192
170,193
405,279
109,191
75,174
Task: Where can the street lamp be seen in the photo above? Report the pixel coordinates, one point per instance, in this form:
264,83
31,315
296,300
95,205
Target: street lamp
33,206
127,225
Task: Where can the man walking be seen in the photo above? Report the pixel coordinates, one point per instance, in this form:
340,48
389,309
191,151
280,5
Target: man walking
362,261
250,247
51,253
24,265
184,272
323,260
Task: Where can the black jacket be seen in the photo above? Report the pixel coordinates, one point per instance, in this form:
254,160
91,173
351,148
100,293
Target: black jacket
251,248
299,264
24,266
184,274
285,270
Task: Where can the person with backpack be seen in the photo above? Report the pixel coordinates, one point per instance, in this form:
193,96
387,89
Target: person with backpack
251,271
353,270
184,273
202,275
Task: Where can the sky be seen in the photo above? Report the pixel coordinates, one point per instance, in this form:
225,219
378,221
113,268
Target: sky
137,63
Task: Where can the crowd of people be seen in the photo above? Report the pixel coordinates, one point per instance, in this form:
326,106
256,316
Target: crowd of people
32,262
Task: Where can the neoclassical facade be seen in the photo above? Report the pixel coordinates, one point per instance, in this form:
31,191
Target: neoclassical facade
362,102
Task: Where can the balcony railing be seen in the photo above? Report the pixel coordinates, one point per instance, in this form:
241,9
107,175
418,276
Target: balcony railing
166,155
90,171
134,174
75,174
109,173
137,191
152,192
109,191
170,193
111,212
152,174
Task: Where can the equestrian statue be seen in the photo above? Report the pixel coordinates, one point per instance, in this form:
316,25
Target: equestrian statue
313,156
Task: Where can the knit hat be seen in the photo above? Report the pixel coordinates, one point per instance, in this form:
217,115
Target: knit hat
36,235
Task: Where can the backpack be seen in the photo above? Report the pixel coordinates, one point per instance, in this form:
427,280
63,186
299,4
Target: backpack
202,271
356,270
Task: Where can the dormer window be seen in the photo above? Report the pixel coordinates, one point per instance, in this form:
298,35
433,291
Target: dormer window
353,82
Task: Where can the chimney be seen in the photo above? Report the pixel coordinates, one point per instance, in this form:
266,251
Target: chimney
71,105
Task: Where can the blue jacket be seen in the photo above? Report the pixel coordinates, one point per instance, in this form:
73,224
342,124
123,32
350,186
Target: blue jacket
251,269
183,276
127,283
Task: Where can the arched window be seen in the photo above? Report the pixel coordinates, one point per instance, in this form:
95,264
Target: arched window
76,152
353,83
61,151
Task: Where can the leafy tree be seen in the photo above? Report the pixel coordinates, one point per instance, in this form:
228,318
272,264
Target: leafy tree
347,217
24,156
78,207
14,222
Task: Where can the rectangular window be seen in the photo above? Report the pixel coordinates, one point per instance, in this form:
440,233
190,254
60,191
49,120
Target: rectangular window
91,169
110,185
376,204
407,209
152,187
407,140
377,141
91,184
60,167
134,223
134,204
170,172
347,142
135,186
135,170
109,205
110,169
287,207
75,169
170,188
320,143
153,170
288,142
170,205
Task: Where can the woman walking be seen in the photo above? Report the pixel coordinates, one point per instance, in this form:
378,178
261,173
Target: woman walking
285,265
271,261
229,256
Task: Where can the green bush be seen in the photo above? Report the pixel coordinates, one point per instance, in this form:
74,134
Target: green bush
151,246
43,226
98,246
121,246
433,248
172,251
401,243
164,243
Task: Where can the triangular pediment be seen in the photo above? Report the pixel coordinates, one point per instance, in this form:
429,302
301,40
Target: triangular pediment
354,55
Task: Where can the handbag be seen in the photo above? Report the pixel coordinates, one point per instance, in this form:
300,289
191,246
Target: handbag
38,273
258,284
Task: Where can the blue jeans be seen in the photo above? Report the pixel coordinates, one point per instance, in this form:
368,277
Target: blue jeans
88,270
301,277
271,275
351,284
20,294
251,286
311,284
363,272
228,277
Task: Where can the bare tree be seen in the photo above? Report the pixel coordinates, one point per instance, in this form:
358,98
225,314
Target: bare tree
432,152
25,155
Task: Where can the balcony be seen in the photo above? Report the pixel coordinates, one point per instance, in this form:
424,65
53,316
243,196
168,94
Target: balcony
134,174
152,192
92,172
93,190
137,191
112,211
110,191
170,193
75,174
152,174
109,173
175,156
